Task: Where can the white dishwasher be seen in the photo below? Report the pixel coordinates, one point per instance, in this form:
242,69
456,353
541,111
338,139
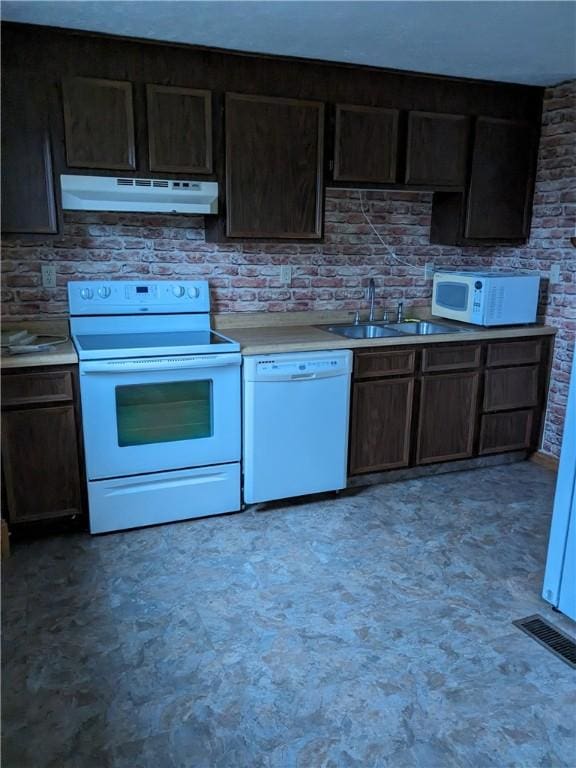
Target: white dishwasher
296,409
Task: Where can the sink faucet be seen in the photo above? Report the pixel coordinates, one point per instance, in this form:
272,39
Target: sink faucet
400,312
371,297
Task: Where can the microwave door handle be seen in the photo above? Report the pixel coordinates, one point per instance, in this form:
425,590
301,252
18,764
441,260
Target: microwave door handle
160,364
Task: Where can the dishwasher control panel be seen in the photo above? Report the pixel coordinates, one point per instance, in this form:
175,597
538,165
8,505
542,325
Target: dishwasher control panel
303,365
298,367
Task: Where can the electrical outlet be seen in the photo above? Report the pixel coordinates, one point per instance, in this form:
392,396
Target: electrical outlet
286,274
555,273
429,270
48,276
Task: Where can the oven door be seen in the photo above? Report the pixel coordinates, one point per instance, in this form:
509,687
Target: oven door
154,414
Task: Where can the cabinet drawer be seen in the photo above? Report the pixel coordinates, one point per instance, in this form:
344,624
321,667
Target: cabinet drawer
369,365
514,352
450,357
45,387
507,388
505,431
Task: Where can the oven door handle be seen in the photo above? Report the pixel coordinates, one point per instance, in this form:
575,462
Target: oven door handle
192,362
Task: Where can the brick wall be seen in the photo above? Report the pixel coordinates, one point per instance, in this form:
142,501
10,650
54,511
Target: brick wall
243,276
333,275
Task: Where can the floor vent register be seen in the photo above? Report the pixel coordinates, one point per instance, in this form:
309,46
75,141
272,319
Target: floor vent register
550,637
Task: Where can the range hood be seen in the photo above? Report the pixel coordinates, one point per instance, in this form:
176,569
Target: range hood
109,193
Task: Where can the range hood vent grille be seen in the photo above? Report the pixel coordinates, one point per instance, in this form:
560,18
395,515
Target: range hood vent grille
153,183
105,193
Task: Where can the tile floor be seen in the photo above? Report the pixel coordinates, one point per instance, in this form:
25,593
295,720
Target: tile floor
368,630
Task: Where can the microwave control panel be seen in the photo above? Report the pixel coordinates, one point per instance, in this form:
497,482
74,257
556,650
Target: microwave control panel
477,300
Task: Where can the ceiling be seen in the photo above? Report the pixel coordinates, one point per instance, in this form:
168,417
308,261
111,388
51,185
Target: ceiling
513,41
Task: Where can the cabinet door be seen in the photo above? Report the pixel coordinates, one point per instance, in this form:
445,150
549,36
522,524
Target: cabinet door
366,144
179,129
380,426
501,184
437,149
274,152
41,463
447,417
28,201
99,124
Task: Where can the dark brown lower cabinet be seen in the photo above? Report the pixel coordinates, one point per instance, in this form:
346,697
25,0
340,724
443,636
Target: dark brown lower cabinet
41,447
505,431
381,419
448,404
440,402
507,388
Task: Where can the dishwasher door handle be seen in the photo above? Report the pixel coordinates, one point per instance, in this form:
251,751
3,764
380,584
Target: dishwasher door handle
287,377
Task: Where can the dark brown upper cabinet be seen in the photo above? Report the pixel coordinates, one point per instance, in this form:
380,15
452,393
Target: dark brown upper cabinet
274,155
437,150
501,185
28,200
179,129
99,124
365,144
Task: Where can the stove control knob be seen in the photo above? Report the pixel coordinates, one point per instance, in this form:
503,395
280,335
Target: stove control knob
86,293
193,292
104,291
178,291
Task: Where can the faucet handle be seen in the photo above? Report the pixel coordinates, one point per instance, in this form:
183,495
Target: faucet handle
357,317
385,316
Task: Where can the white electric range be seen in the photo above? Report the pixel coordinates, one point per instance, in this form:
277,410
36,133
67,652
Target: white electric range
160,396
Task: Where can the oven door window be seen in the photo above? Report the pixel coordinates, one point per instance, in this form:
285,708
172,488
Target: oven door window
164,412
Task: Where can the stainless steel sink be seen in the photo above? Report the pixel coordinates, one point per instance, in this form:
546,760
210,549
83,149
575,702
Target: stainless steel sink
362,331
423,328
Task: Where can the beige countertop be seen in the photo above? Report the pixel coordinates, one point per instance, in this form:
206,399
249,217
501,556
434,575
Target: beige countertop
262,334
277,339
61,354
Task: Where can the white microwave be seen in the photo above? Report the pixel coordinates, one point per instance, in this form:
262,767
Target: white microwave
486,298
